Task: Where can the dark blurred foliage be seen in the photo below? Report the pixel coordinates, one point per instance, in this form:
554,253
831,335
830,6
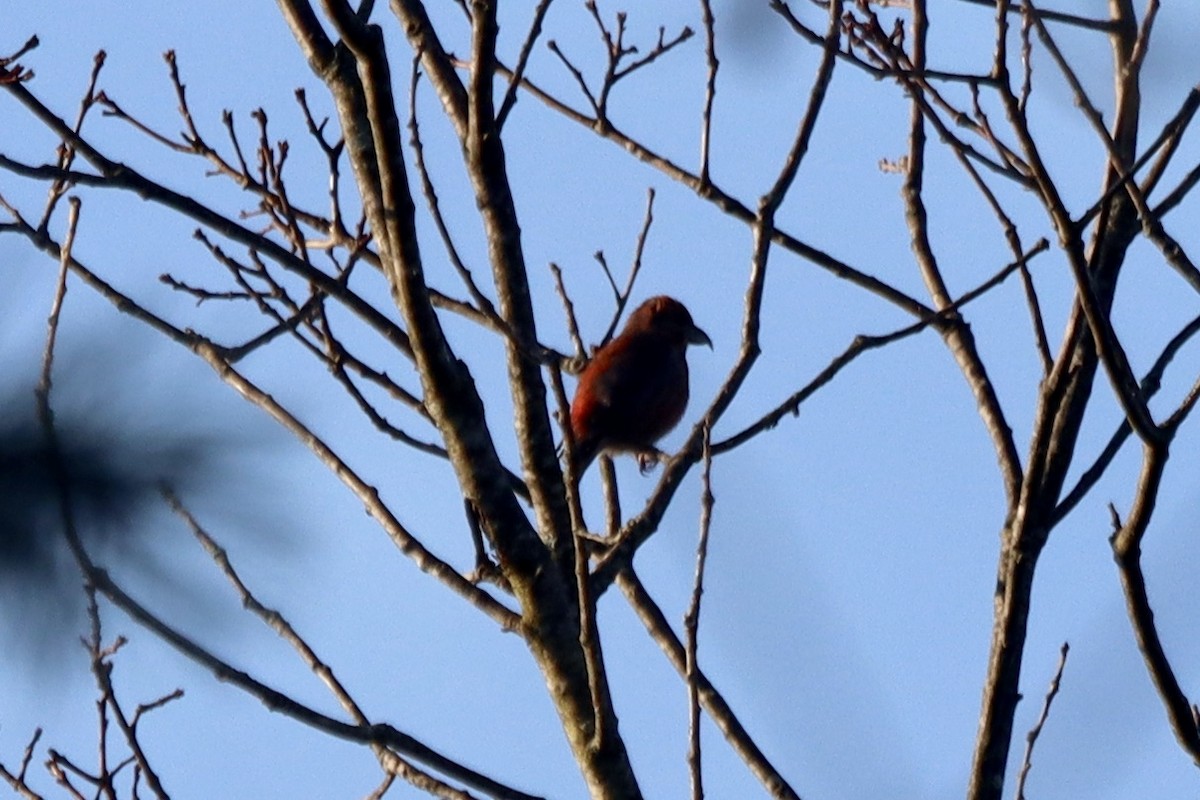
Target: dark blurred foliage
111,483
105,479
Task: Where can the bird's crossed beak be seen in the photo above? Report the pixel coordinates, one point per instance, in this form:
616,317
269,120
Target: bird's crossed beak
697,336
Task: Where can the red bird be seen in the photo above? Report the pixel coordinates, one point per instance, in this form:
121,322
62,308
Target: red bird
635,388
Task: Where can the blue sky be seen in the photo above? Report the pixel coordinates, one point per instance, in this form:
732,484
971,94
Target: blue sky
848,598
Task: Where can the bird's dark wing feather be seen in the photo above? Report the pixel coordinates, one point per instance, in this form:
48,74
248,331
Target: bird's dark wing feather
634,393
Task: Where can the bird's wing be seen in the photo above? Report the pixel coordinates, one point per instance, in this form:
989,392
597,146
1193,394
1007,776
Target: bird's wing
621,375
632,383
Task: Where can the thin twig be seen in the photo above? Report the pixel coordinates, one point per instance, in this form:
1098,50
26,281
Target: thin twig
17,781
60,293
622,296
710,85
1032,737
482,302
691,624
510,94
66,155
10,70
569,310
